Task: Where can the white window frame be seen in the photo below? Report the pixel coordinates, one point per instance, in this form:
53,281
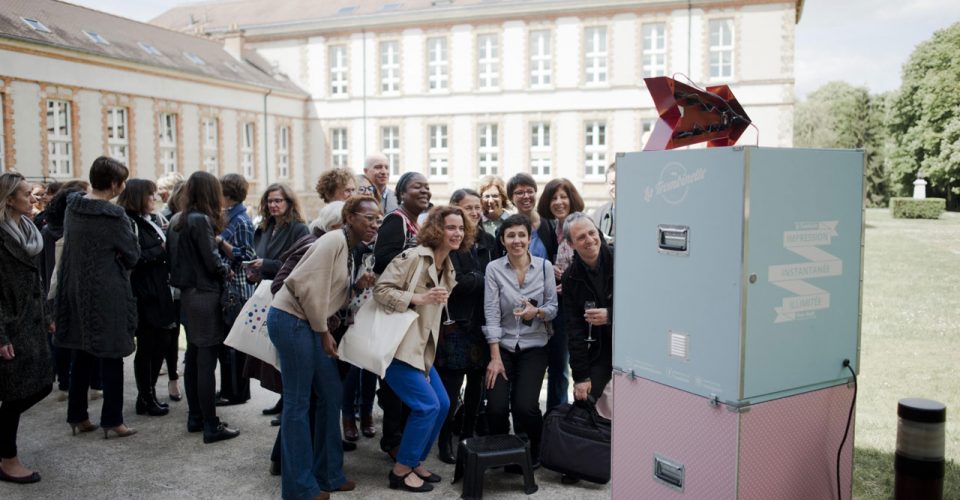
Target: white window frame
721,53
438,151
390,147
488,61
59,138
195,59
653,60
96,38
210,128
283,152
595,139
595,54
118,133
541,161
488,149
337,59
339,148
389,67
149,49
541,58
167,136
36,25
248,134
438,64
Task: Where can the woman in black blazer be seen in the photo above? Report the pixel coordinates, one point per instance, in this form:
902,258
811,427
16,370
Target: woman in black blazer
280,226
150,281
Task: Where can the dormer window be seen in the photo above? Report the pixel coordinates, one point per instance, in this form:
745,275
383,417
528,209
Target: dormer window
36,25
96,38
149,49
195,59
347,10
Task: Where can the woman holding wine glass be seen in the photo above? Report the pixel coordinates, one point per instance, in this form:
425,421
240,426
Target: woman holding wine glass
520,298
411,375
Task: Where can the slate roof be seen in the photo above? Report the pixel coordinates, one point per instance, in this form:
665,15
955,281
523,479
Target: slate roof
133,41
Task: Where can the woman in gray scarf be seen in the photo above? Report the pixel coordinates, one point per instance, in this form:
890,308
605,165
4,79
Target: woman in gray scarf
25,364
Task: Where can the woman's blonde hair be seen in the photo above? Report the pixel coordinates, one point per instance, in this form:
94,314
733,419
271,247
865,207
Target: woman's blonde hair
9,182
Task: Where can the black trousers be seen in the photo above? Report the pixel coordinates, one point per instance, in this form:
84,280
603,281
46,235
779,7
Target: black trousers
151,345
395,415
200,365
519,395
233,385
452,381
111,375
10,412
171,352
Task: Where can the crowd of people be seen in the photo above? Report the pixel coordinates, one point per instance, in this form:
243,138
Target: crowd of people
509,289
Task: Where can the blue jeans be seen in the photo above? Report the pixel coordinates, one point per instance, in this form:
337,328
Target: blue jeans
428,404
558,366
359,389
305,367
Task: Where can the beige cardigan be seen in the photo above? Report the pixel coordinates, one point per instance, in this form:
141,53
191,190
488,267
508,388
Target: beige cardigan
319,285
419,346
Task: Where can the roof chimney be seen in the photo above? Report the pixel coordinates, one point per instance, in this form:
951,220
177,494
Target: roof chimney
233,42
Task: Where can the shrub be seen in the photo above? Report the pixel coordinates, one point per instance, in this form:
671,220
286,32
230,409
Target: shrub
913,208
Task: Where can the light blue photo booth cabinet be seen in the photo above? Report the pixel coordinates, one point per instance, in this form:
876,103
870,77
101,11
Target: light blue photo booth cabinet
738,270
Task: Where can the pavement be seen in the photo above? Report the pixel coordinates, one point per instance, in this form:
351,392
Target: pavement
164,461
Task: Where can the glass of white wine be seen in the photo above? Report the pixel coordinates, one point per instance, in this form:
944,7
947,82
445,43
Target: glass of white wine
518,311
590,305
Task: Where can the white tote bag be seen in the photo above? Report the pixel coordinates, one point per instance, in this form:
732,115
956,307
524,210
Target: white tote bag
249,332
372,341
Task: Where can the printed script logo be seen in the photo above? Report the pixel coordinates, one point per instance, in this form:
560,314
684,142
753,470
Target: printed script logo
805,240
674,183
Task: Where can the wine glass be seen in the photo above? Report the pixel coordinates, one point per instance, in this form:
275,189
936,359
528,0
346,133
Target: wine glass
590,305
446,308
518,310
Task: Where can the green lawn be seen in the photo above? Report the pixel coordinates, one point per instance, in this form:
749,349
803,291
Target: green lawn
910,341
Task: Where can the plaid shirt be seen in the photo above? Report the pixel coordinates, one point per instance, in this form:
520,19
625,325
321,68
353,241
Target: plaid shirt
239,233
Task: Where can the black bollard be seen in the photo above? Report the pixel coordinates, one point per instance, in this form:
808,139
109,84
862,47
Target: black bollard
919,462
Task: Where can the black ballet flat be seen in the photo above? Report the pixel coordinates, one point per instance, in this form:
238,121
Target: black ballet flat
34,477
432,478
398,483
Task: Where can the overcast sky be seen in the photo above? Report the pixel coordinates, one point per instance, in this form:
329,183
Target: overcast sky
862,42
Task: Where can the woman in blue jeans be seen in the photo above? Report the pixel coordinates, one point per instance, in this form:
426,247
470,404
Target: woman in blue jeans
315,290
426,269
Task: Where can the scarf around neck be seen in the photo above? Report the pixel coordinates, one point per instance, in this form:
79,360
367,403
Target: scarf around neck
25,233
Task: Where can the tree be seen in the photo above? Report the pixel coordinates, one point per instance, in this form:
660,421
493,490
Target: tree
839,115
925,117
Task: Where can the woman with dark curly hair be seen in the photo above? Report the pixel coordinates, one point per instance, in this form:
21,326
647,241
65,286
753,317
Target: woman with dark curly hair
336,185
411,375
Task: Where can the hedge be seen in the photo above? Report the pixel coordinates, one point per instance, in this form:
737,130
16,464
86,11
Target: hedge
914,208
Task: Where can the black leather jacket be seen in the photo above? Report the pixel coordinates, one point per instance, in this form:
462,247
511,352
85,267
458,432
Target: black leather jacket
194,259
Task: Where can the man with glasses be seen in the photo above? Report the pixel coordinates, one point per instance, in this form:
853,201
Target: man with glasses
373,182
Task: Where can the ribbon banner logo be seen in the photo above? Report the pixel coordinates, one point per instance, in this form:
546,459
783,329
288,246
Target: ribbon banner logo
674,183
806,240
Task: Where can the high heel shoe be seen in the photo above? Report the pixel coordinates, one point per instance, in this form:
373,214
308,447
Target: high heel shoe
117,432
398,482
173,389
81,427
153,396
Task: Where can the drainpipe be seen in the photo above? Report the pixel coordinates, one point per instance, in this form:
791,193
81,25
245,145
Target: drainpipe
266,153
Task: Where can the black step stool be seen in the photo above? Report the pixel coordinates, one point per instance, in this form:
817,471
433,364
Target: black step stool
476,455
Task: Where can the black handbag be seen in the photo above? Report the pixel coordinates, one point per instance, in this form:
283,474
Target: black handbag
231,302
576,442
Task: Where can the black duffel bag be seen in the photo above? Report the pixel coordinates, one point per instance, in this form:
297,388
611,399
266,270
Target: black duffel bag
576,442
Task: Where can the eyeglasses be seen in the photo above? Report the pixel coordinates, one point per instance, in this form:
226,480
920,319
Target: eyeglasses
276,201
372,219
528,192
